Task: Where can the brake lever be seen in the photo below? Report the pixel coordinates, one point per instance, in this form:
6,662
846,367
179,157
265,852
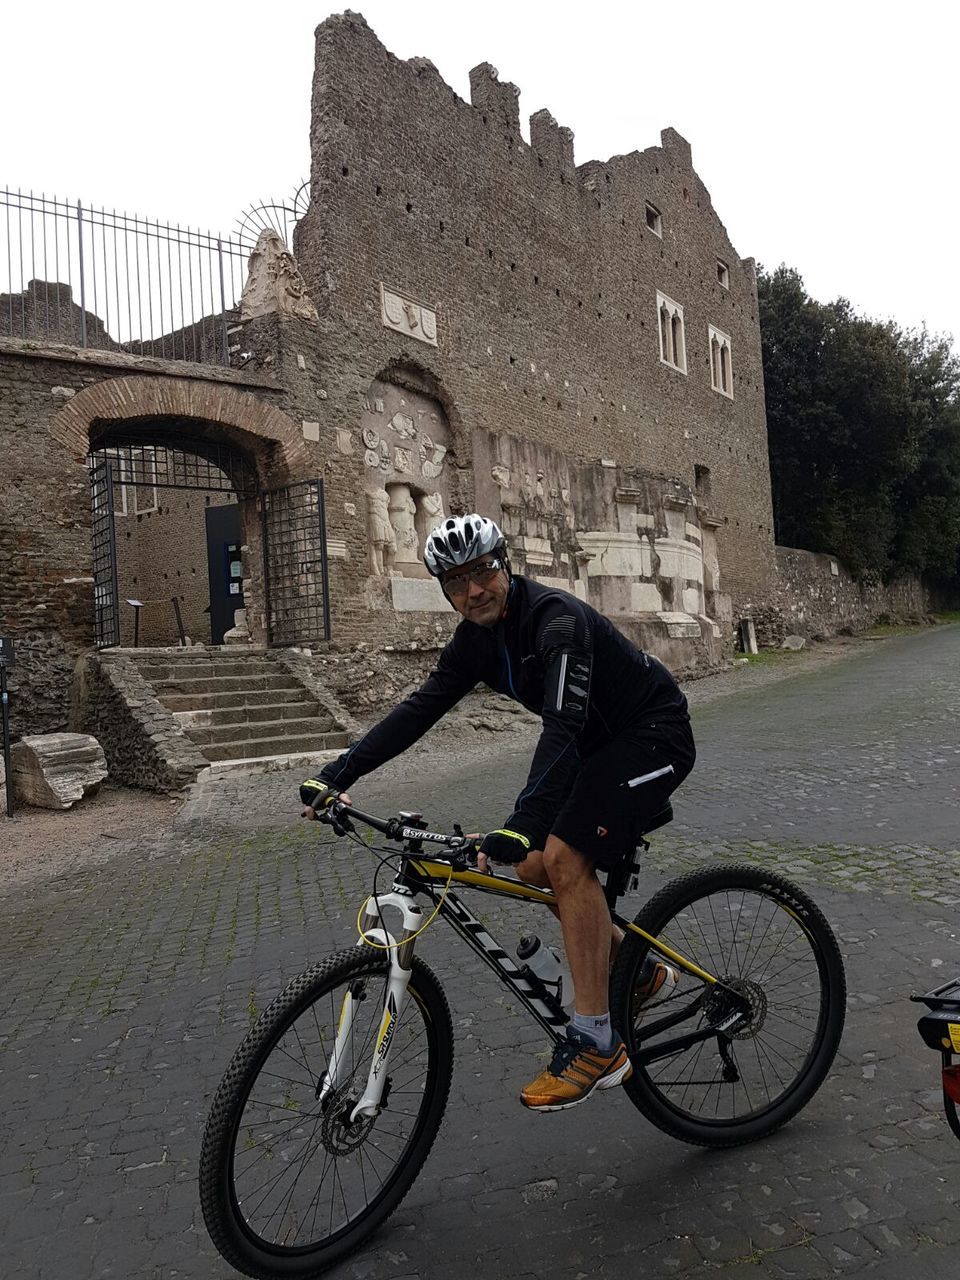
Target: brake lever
334,816
466,859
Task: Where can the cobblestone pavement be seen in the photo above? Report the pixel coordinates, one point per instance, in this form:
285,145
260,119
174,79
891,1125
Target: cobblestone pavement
127,985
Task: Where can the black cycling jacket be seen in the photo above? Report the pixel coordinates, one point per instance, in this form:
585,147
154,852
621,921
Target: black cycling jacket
558,657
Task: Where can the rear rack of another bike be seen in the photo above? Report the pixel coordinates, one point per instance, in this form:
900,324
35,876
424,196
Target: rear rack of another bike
939,1029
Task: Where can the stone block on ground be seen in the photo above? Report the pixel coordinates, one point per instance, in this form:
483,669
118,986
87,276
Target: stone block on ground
793,642
55,770
239,633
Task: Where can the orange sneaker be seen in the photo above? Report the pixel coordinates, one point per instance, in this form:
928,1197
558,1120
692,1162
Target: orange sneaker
577,1070
654,974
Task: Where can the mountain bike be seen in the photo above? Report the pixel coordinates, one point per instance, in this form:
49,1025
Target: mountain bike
330,1105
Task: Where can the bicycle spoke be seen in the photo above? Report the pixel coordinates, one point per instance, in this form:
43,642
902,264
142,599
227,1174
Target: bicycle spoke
302,1168
767,957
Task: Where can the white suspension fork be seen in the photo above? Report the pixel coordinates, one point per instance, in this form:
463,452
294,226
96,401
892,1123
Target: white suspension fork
401,960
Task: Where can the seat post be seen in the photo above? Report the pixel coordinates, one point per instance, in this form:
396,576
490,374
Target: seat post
618,877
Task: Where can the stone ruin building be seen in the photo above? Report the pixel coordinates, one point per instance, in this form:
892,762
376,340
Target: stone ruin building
463,320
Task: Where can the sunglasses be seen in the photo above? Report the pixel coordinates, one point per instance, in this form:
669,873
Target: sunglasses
459,583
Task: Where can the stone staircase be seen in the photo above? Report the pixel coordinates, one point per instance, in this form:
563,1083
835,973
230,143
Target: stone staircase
239,706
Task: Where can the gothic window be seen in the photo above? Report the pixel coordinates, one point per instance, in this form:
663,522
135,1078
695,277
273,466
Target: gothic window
654,221
721,367
673,349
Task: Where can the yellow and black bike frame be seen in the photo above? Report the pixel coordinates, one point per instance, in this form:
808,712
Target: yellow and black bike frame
722,1009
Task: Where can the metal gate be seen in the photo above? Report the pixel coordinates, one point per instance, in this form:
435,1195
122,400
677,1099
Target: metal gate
295,564
105,593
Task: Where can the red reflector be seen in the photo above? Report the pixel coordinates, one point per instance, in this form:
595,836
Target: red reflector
951,1082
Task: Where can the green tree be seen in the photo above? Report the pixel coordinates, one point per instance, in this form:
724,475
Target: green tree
864,433
928,540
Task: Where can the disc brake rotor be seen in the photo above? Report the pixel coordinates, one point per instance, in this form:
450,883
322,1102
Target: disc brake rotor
338,1133
754,994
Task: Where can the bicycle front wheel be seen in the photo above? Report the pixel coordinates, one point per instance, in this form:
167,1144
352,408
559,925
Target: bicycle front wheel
288,1184
769,943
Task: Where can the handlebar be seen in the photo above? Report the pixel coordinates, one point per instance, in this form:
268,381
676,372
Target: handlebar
341,817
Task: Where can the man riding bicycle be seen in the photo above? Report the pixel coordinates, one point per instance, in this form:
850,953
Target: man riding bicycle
616,741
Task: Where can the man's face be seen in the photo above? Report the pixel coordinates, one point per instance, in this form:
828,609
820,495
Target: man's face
478,590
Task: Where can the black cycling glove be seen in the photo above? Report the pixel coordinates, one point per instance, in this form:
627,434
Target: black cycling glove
317,794
505,846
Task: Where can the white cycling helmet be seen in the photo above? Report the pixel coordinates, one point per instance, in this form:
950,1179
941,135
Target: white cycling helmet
460,539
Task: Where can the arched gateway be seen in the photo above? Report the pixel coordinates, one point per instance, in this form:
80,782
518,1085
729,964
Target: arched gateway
191,518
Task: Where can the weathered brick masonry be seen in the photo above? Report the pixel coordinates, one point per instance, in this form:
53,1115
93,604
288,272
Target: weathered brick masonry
53,405
818,596
544,277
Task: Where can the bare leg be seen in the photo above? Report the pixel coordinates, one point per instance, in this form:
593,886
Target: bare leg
585,919
533,871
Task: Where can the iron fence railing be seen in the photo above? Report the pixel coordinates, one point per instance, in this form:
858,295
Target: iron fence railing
116,282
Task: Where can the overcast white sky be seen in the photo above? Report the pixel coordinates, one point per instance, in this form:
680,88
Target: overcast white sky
825,132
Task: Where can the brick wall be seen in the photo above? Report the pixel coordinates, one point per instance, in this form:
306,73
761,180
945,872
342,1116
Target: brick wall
544,279
46,593
50,402
162,553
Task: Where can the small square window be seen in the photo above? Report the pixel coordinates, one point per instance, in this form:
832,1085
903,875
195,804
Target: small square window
654,221
723,274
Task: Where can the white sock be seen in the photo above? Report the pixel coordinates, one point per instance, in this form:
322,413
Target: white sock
596,1027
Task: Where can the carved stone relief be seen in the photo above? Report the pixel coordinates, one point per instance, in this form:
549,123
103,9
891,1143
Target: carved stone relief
407,316
274,284
607,531
403,510
433,508
382,540
404,425
405,455
433,466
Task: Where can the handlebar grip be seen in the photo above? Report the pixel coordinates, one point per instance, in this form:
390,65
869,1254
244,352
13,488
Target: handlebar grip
341,810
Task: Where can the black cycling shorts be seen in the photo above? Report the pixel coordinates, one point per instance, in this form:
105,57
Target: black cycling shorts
621,787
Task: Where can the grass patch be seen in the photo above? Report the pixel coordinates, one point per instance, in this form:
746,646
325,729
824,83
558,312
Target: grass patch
768,656
892,629
948,615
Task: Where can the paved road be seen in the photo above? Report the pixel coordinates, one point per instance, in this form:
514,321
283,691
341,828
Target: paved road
127,986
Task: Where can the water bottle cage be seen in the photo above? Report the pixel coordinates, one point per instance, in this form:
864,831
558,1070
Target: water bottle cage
545,992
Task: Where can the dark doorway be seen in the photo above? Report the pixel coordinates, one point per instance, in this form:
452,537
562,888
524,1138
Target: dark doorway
224,539
152,460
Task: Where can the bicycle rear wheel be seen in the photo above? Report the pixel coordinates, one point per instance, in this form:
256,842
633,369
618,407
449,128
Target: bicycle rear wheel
769,942
288,1185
